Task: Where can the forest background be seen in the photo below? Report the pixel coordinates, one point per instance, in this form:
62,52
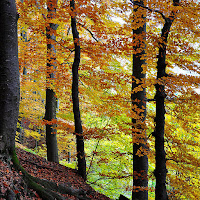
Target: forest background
105,88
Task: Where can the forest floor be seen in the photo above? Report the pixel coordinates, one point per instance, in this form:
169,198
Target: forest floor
12,184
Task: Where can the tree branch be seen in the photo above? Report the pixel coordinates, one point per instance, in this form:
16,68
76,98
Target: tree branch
157,11
88,31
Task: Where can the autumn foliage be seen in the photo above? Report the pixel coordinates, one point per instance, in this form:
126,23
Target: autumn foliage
105,79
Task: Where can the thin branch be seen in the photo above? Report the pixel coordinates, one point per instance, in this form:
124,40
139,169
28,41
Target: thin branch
179,161
109,178
169,145
88,31
71,50
93,156
121,154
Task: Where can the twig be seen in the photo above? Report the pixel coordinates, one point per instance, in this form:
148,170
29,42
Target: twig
88,31
93,156
106,178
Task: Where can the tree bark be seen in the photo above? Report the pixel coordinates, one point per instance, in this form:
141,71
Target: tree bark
161,170
75,98
140,163
9,76
51,100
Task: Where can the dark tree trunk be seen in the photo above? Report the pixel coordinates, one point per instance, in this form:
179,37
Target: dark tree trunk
161,170
140,163
9,76
51,132
51,100
122,197
75,98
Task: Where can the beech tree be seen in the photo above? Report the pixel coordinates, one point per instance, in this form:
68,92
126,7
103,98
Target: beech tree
140,163
160,170
9,77
75,98
51,100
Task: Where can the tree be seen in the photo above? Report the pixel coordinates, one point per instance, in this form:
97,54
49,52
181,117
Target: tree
9,73
75,98
51,100
138,97
160,170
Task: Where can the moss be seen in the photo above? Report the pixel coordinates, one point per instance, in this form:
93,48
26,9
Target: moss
44,188
44,193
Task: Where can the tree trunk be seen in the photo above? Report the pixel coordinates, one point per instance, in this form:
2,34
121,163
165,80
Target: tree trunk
9,76
75,98
51,100
161,170
140,163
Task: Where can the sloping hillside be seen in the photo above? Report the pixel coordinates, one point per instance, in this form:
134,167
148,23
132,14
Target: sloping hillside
13,185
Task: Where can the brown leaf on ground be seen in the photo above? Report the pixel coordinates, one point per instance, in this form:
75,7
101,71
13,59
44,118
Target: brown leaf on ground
43,169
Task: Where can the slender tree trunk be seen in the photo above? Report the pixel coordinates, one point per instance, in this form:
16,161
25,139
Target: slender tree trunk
9,76
51,100
75,98
140,163
161,170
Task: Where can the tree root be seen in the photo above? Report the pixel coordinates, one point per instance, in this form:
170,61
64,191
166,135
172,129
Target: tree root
47,190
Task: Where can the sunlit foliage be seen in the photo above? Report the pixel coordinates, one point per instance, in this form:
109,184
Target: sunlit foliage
105,29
